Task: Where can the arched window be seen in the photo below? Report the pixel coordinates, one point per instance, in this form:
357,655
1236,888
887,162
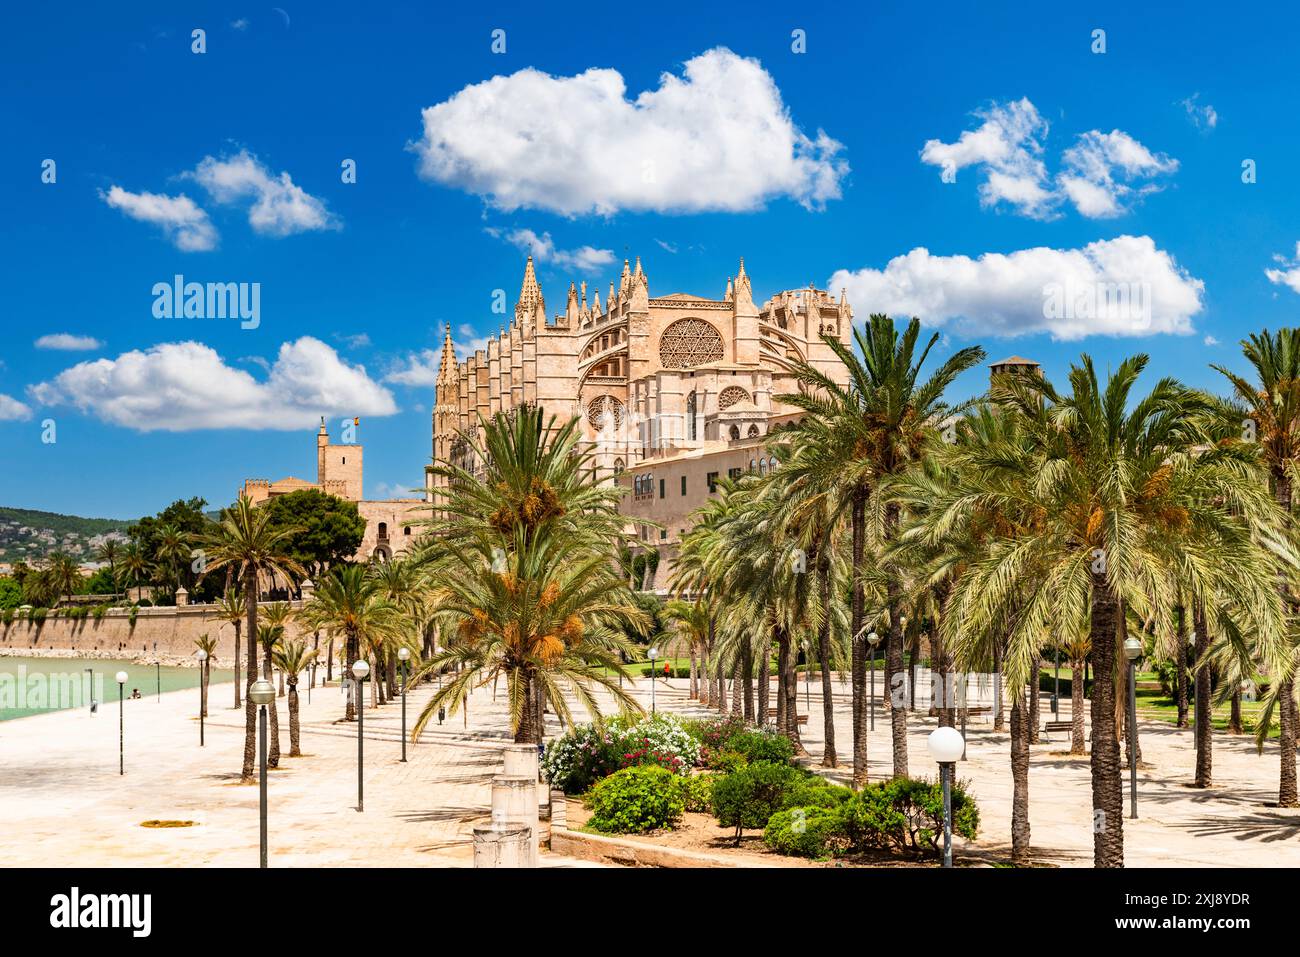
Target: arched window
383,529
771,464
406,530
762,466
735,433
752,464
730,396
753,432
618,466
690,416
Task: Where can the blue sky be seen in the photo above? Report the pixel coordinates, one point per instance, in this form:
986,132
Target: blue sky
1079,167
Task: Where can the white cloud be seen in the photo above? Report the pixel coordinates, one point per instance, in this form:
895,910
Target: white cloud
666,246
543,249
1289,275
182,221
387,490
1100,167
1008,145
358,341
67,342
1204,118
1115,287
279,208
718,137
1211,341
181,386
1101,177
421,368
241,24
11,410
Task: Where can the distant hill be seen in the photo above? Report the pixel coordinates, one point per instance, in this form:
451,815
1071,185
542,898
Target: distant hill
27,535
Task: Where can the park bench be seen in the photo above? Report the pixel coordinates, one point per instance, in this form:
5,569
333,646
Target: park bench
799,718
1051,726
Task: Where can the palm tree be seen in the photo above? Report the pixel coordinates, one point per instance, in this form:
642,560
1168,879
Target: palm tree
1125,497
208,645
874,430
108,553
692,620
525,554
292,658
232,608
246,541
350,602
1269,413
172,550
135,565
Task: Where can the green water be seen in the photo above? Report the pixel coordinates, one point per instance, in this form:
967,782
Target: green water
37,685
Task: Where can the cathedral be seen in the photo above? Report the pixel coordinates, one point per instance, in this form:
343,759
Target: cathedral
673,391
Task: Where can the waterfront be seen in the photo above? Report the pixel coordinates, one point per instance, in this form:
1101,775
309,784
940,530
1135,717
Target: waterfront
37,685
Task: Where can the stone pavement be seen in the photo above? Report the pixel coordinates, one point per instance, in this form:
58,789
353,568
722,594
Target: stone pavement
66,805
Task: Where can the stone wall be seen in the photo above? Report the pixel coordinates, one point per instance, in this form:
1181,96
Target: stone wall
114,636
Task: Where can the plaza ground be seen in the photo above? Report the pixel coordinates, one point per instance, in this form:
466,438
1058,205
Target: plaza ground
66,804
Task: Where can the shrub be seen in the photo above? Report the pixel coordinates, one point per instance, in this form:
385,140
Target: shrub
907,815
747,798
636,800
805,832
815,791
762,744
697,791
726,761
579,759
713,734
588,753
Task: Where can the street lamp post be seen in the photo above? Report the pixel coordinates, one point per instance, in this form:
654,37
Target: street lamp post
121,722
1132,651
404,655
873,639
261,692
203,664
1056,686
94,705
946,745
654,653
359,671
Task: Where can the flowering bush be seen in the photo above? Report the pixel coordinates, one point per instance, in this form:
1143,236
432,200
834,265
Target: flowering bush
588,753
636,800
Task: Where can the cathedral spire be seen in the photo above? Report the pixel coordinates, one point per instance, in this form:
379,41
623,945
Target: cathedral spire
447,367
531,301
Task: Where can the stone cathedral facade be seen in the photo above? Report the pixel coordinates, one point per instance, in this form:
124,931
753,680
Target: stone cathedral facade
672,390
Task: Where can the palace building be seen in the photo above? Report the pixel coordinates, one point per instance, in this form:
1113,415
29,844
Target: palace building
673,391
391,525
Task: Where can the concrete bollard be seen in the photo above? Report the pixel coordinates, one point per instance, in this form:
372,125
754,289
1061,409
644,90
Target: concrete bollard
520,760
504,846
559,811
514,803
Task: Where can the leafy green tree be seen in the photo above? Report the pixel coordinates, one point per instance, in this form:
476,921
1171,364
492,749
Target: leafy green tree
328,529
11,593
166,542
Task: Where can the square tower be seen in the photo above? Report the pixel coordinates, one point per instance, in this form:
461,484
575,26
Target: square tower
338,467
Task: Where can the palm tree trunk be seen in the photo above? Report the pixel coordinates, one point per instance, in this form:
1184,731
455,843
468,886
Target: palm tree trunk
236,681
1287,720
1107,796
1203,719
1077,745
1035,715
829,757
273,747
1234,719
525,731
350,650
747,675
203,691
1019,783
695,674
706,682
858,641
329,662
893,673
998,721
737,692
764,685
294,750
1180,668
911,675
782,669
250,710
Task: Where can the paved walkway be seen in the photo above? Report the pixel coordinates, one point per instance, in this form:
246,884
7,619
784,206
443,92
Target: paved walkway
65,803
